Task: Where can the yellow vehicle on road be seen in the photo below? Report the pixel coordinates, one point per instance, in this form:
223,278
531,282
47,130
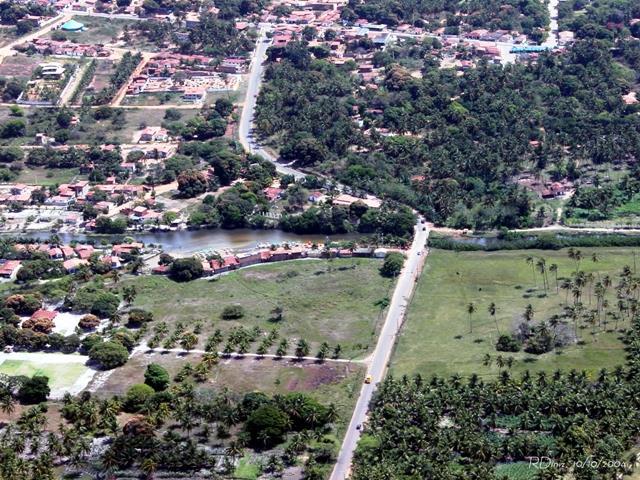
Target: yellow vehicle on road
368,378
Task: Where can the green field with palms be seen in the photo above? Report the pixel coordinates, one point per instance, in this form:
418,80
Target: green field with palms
450,327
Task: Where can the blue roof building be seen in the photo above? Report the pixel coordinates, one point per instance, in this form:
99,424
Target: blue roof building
72,26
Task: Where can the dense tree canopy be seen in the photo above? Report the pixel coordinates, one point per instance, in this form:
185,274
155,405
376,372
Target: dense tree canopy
458,142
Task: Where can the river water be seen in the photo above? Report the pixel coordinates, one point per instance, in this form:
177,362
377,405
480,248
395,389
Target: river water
187,241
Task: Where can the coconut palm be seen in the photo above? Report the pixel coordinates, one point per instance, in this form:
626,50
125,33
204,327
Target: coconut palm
531,262
528,313
492,312
541,266
148,467
553,268
7,403
471,309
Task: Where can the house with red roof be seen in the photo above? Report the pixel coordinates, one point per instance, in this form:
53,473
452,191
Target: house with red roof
42,314
10,268
73,264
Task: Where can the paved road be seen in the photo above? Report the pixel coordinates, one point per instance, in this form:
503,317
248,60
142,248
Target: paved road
248,110
552,39
44,28
384,347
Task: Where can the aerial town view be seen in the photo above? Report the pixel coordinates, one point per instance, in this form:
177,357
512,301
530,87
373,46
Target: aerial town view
320,239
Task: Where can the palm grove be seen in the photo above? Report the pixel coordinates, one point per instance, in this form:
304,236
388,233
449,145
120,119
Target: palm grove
466,137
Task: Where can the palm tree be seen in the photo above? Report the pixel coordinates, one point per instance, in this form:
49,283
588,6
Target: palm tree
492,312
471,308
188,341
210,359
528,313
541,265
282,348
486,360
531,262
324,350
553,268
576,256
7,403
148,467
115,276
235,449
302,349
566,285
129,294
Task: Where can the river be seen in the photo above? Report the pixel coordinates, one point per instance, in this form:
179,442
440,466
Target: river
189,241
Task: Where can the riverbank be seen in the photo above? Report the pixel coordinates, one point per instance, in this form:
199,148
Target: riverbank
186,242
525,241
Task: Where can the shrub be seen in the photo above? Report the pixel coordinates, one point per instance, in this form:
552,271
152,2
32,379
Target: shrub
89,322
156,377
23,304
138,316
90,341
136,397
109,355
392,265
232,312
508,343
105,305
266,426
34,390
186,269
42,325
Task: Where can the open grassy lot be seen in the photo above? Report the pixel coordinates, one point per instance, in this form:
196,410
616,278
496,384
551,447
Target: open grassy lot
20,67
155,99
47,176
334,301
104,131
60,375
436,338
98,30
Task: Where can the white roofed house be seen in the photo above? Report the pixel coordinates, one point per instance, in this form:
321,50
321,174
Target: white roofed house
52,69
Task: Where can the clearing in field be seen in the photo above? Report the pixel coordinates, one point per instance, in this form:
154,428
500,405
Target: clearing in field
65,372
20,67
338,301
442,337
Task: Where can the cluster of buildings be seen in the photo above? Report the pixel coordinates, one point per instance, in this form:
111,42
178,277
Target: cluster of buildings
71,257
545,189
192,76
47,46
18,193
233,261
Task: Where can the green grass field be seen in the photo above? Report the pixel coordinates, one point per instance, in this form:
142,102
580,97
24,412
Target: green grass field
47,176
436,337
322,300
60,375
